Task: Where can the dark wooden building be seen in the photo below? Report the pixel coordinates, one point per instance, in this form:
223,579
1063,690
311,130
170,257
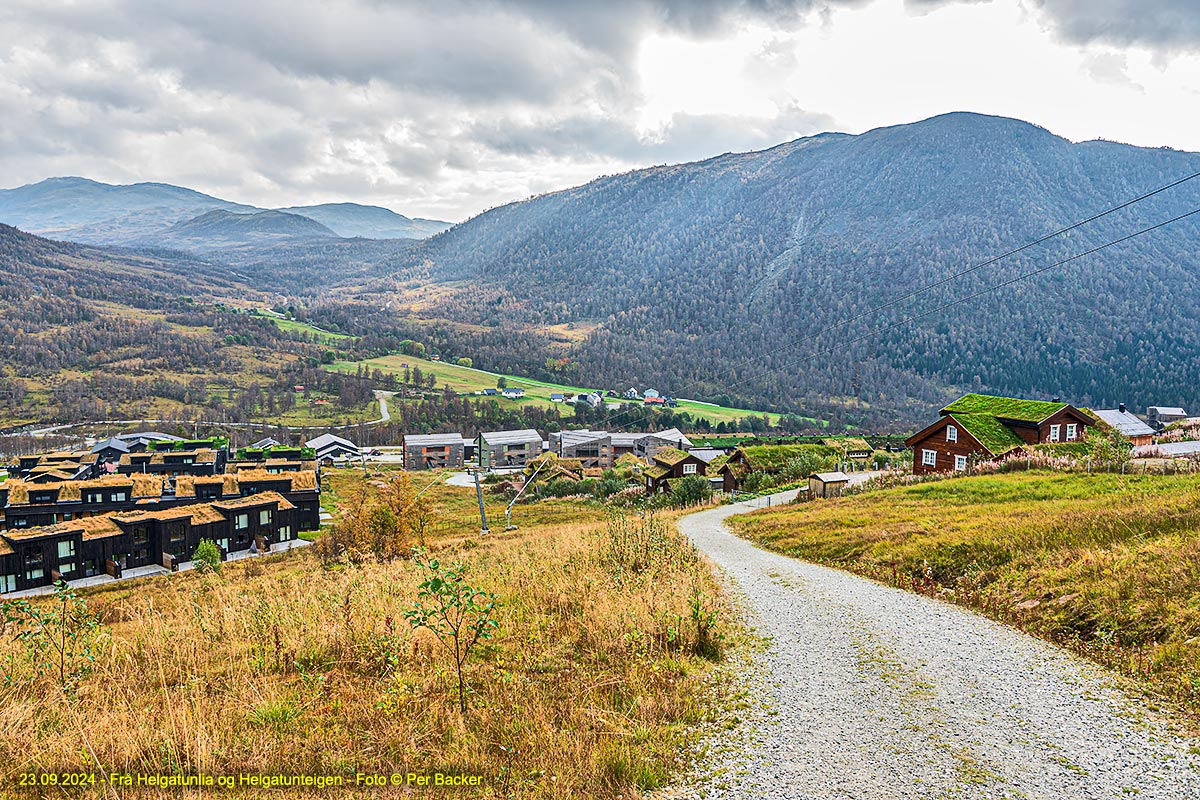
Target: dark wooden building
113,543
983,426
671,464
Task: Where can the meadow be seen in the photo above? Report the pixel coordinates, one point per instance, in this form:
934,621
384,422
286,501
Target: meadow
466,380
590,687
1105,564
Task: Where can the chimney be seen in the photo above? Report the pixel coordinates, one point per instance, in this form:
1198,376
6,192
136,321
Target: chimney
1121,408
1056,400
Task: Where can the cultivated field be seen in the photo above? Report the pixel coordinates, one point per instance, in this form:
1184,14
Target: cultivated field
467,379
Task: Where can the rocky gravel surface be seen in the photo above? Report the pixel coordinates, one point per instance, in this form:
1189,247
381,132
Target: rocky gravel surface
864,691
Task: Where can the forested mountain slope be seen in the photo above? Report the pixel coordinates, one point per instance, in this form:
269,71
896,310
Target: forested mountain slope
698,273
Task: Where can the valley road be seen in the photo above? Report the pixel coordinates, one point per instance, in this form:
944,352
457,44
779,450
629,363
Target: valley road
864,691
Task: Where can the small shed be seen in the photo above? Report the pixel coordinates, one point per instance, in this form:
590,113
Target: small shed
827,484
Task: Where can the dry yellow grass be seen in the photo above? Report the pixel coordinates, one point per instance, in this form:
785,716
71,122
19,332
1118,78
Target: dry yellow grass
281,666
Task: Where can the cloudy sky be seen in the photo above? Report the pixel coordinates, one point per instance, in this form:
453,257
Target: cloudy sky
445,109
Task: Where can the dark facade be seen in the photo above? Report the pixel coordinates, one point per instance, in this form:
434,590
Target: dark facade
977,426
111,544
32,505
669,465
507,448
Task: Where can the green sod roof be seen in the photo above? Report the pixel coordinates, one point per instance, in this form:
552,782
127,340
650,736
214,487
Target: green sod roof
1004,407
669,455
656,472
989,432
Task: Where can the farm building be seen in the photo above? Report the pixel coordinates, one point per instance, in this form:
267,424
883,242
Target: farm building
507,448
827,484
989,427
1160,416
1128,425
434,451
771,459
850,448
513,394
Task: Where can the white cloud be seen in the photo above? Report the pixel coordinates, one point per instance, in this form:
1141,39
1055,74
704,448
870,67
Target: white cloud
443,110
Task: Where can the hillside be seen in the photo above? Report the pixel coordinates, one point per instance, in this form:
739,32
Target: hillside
87,211
351,220
220,229
89,334
692,276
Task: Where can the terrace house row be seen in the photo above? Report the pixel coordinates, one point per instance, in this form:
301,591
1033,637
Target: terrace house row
111,544
984,426
28,505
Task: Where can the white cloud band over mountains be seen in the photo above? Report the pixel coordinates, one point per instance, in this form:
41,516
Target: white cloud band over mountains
444,109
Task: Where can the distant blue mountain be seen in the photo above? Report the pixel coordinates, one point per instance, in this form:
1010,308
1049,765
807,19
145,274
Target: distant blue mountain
87,211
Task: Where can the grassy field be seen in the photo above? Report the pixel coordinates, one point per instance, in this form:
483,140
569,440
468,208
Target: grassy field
1108,565
280,665
304,327
467,379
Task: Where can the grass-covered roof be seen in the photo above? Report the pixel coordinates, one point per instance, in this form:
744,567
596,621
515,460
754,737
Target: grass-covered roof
989,432
1004,407
774,457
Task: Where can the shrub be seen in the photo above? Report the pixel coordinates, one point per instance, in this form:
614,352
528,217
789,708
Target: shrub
458,614
207,557
60,640
384,523
691,491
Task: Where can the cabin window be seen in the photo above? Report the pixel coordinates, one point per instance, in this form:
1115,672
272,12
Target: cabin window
8,583
119,497
951,433
20,522
929,458
960,463
1071,430
689,469
264,517
241,522
66,566
33,566
66,549
1054,431
223,544
93,498
285,533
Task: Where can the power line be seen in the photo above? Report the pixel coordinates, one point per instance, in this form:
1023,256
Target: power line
973,269
961,300
982,292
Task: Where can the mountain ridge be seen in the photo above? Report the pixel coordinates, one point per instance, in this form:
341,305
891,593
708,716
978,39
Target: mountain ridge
92,212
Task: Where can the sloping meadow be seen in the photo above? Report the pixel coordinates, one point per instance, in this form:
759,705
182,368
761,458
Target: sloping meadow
599,668
1108,565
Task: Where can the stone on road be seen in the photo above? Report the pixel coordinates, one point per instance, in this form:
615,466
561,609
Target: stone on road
865,691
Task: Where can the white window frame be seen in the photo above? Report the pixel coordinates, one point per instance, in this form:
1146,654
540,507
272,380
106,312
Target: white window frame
951,433
929,458
1054,432
960,463
1072,431
689,469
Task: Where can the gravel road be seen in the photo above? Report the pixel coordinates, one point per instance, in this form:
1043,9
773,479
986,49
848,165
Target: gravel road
863,691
